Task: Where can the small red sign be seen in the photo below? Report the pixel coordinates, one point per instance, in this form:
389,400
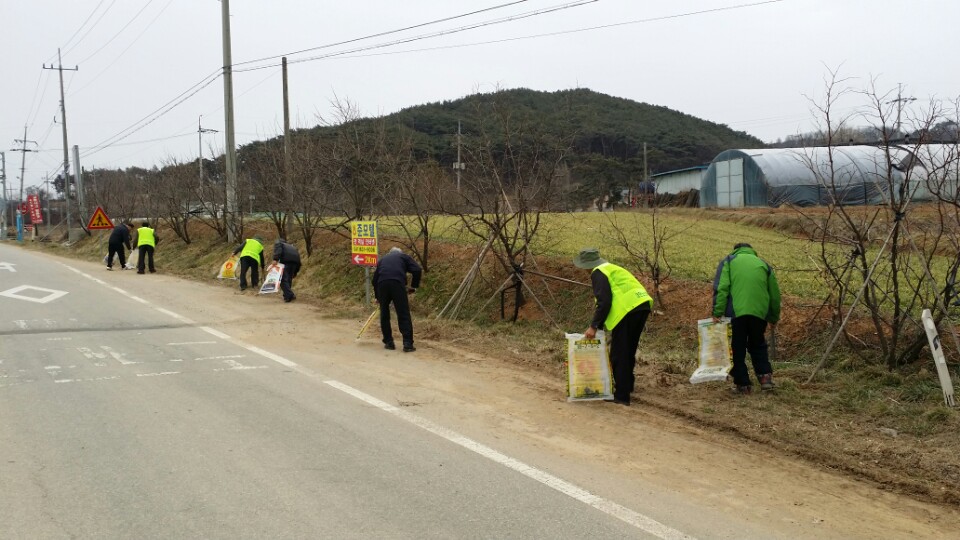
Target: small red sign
364,259
33,205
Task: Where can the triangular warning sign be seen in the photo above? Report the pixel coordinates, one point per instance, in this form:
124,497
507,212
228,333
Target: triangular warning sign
99,220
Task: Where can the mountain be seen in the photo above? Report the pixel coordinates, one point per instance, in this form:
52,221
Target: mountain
605,127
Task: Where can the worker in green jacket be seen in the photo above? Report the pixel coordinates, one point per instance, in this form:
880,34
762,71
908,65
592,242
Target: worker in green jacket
251,256
622,308
746,290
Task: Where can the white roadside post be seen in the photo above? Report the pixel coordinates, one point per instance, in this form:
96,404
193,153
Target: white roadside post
934,339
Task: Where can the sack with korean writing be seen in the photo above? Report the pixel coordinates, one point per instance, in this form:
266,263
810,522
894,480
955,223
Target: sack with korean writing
588,368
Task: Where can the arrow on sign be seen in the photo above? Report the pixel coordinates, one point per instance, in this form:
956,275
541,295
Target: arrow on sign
358,259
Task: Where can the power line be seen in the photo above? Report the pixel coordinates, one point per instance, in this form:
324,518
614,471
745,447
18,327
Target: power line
381,34
109,41
458,30
92,26
85,21
153,116
124,51
349,54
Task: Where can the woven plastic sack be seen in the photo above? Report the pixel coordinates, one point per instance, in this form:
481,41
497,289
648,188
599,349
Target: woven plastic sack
271,283
228,270
588,368
716,356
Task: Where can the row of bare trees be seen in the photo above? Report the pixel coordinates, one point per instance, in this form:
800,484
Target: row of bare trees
896,258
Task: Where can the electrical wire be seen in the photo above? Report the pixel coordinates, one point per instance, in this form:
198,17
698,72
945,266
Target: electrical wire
92,26
109,41
458,30
349,54
153,116
90,16
132,43
381,34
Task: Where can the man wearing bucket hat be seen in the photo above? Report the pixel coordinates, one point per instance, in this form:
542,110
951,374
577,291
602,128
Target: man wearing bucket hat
251,255
623,306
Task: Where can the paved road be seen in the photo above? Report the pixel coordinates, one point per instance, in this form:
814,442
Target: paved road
119,419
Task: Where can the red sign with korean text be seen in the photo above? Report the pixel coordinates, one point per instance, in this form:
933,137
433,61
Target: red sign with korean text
33,205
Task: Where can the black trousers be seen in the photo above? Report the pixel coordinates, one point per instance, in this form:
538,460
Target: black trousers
254,266
121,254
388,292
290,271
748,335
624,339
146,255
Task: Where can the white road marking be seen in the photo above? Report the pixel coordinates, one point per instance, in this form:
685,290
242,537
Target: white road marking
119,357
216,333
92,379
192,343
158,374
91,354
52,294
635,519
20,323
52,367
176,359
59,339
234,365
176,316
220,357
7,266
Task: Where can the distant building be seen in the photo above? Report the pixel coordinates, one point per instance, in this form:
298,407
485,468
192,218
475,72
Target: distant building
805,176
678,181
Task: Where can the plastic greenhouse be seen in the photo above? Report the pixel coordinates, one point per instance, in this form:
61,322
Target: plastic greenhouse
805,177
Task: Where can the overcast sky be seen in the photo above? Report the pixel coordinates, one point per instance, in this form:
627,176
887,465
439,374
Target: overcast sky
749,67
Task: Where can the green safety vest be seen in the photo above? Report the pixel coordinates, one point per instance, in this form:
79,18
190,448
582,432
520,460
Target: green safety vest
628,293
145,237
252,248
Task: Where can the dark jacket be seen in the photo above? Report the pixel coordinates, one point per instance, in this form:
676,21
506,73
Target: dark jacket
120,235
285,253
394,267
746,285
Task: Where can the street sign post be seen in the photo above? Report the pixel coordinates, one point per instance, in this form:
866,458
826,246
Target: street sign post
363,249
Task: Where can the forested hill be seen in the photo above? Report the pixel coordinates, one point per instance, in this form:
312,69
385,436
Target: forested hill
605,128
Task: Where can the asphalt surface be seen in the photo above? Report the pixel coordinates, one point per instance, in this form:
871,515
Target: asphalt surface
121,420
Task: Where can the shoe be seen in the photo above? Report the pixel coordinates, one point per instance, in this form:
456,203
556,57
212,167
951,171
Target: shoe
409,348
153,271
624,402
742,390
139,272
766,382
109,268
288,300
242,289
389,346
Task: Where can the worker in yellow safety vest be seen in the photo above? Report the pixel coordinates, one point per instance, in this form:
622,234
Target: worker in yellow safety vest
251,256
147,241
623,306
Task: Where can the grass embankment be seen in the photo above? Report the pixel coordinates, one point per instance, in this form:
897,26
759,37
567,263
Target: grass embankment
889,427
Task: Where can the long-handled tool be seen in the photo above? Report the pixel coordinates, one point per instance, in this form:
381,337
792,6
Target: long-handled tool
366,324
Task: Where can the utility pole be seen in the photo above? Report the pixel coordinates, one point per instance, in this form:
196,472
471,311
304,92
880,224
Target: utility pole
3,211
81,193
231,145
66,149
287,161
23,159
459,165
900,101
200,131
